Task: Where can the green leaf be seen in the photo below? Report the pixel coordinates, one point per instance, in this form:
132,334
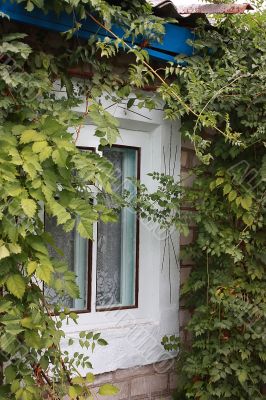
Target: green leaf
13,329
85,228
242,376
90,378
59,157
46,153
248,219
72,392
16,285
78,380
4,391
27,323
37,244
227,188
219,181
31,267
29,6
33,340
10,373
38,147
4,252
102,342
130,102
30,135
96,336
43,272
15,386
8,342
246,202
232,195
5,305
108,390
60,212
29,207
14,248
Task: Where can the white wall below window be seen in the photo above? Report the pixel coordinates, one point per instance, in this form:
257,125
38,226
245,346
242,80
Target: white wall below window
134,335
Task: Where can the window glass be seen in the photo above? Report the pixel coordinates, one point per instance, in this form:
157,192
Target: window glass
75,251
116,242
115,252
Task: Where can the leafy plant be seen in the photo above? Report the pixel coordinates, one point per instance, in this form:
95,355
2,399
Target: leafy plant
219,94
41,168
222,107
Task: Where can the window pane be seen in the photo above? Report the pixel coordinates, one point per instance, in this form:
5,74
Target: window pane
75,251
116,244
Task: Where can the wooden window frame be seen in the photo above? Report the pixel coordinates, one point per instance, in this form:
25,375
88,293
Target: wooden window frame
136,302
90,251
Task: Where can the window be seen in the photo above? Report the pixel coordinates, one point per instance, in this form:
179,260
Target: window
77,255
117,247
117,242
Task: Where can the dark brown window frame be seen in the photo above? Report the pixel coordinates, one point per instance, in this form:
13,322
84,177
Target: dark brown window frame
90,259
90,250
136,304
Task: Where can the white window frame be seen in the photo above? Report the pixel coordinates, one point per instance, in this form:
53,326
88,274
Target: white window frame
134,335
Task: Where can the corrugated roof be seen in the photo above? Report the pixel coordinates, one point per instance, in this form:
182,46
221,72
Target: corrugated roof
172,8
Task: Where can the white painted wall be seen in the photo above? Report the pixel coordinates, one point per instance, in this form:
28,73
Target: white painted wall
134,335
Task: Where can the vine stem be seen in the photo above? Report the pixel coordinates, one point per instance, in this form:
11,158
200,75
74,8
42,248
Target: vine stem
208,278
214,96
208,287
86,112
69,379
155,73
68,376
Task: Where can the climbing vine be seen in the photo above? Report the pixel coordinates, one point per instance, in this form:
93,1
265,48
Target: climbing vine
224,85
41,169
219,95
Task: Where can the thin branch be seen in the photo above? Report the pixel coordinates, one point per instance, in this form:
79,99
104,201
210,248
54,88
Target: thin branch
155,73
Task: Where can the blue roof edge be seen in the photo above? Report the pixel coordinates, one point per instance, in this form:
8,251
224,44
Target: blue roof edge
174,42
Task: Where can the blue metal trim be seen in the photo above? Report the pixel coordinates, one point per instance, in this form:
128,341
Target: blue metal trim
175,39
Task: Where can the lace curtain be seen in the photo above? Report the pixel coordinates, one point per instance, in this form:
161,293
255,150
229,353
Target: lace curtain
116,247
116,243
75,256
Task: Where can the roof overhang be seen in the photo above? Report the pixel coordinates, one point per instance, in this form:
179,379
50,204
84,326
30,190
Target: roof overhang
176,37
200,8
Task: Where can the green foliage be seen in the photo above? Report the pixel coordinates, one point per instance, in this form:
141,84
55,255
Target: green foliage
41,168
220,96
108,390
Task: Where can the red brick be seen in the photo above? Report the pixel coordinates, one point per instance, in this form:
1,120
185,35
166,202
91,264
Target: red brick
184,159
184,274
187,178
186,240
184,317
173,381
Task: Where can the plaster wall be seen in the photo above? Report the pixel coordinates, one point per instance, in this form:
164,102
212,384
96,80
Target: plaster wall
134,335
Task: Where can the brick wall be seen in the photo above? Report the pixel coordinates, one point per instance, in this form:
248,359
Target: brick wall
154,382
188,161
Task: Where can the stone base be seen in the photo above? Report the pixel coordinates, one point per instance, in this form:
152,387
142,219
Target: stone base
153,382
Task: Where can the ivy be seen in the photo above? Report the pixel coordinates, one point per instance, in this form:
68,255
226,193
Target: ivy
38,155
221,87
219,96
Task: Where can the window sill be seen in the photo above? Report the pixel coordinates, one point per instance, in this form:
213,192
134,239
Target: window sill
73,329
